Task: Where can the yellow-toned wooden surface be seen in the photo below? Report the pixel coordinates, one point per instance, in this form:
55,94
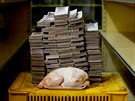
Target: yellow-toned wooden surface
9,47
118,42
124,46
19,29
119,17
113,64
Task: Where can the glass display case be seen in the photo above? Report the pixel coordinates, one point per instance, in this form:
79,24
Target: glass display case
118,40
92,9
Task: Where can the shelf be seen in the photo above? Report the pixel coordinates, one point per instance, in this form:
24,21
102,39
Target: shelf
47,5
9,47
11,1
123,46
86,5
124,1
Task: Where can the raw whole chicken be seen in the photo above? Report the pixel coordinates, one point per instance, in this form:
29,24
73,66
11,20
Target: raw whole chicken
68,77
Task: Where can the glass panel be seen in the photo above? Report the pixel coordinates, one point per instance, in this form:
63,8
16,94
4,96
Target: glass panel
91,12
86,12
38,13
98,15
98,1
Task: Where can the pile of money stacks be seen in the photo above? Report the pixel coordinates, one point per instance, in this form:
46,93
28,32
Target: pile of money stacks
77,33
37,57
63,42
92,37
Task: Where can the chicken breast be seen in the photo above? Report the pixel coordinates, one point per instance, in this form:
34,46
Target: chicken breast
66,78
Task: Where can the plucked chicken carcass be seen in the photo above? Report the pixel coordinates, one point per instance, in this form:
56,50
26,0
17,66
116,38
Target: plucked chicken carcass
68,77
